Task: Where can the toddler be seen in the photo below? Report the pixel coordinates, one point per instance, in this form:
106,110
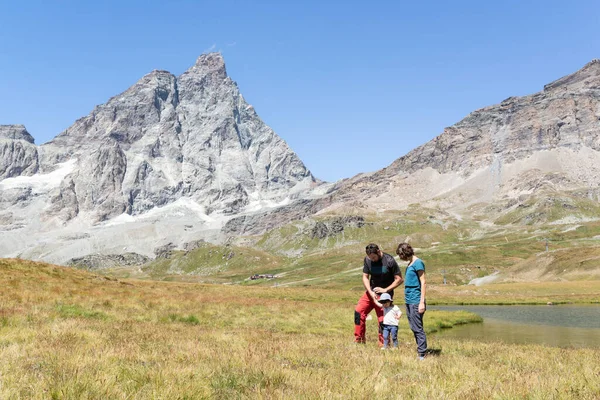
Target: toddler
391,315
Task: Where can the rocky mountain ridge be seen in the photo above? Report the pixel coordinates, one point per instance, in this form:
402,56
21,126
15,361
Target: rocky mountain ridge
486,156
189,142
168,137
564,114
179,159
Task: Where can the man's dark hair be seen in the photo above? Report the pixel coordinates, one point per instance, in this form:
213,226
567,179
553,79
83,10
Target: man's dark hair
372,248
405,251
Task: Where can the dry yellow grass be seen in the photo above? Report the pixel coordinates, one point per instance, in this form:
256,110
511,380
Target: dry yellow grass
67,334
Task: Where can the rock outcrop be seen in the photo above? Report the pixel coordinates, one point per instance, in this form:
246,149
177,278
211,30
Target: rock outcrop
323,229
18,153
100,261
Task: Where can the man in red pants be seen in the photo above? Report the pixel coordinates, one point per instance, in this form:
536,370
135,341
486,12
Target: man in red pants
381,274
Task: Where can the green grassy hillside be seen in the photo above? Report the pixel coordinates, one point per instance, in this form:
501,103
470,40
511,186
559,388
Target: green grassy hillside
320,252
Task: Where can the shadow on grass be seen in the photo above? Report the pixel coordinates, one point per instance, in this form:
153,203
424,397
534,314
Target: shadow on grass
434,352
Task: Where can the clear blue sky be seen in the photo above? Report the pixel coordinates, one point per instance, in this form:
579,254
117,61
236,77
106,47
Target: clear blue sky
349,85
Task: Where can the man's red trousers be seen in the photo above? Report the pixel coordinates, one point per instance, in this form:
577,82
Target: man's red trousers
363,308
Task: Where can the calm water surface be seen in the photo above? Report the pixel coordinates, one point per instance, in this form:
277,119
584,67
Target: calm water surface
560,325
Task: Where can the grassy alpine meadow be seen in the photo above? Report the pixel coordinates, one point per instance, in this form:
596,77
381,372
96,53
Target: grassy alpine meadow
70,334
455,251
578,292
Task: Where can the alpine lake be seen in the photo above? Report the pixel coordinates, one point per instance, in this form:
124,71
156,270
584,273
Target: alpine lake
552,325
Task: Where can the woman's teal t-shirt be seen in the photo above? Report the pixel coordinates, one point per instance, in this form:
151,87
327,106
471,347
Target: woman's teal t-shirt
412,285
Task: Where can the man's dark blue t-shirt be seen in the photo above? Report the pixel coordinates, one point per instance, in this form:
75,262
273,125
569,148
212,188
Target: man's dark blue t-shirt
382,272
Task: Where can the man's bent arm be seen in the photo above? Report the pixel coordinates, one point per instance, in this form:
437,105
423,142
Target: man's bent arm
367,285
397,282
